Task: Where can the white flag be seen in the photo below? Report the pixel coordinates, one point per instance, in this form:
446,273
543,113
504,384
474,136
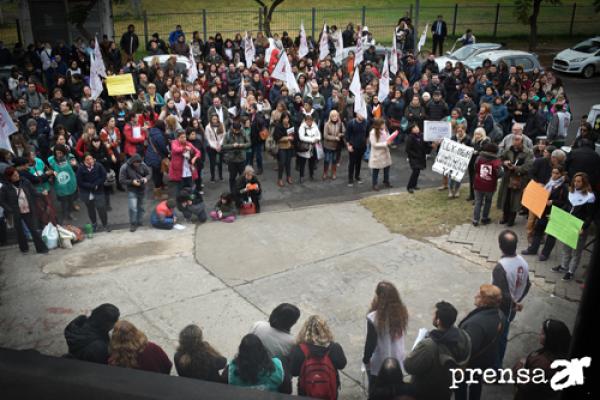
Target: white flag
100,68
7,128
360,107
243,94
249,50
283,72
394,56
303,49
339,47
324,44
423,38
97,70
384,82
192,72
358,52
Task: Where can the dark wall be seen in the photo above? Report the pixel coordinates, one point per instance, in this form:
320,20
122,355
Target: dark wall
30,375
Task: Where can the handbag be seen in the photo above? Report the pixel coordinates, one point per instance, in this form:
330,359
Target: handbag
514,182
302,147
247,207
111,177
165,163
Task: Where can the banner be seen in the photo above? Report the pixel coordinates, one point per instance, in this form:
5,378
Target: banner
7,128
394,55
303,49
359,52
384,82
360,107
283,72
535,198
564,227
119,85
324,44
249,50
436,130
423,38
192,72
452,159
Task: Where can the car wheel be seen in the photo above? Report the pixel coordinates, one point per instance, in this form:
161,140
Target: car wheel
588,71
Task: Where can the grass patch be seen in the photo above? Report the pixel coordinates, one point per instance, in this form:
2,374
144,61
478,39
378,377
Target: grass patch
426,213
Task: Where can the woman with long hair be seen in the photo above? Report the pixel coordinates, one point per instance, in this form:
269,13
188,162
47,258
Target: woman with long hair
129,348
380,157
387,322
333,135
284,134
253,368
315,340
196,358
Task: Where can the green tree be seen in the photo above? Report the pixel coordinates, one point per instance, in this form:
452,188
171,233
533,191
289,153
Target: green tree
267,12
527,12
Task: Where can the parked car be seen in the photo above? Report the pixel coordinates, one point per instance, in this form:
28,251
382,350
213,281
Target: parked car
465,53
583,58
379,50
528,61
183,63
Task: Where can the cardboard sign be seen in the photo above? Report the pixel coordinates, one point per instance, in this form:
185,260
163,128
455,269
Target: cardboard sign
535,198
120,85
452,159
564,227
436,130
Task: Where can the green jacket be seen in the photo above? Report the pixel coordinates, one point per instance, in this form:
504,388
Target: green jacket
235,154
65,183
270,382
39,169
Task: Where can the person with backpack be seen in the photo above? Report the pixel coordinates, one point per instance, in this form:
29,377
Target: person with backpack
487,170
386,326
316,360
443,348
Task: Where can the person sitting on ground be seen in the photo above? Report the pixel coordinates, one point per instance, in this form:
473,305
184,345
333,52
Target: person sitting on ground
253,368
224,209
444,347
389,383
248,189
555,339
129,348
87,337
196,358
191,205
275,334
163,216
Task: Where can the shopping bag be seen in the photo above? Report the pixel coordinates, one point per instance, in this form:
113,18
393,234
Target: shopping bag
319,151
50,236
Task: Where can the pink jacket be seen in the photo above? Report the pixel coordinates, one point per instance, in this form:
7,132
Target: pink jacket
176,166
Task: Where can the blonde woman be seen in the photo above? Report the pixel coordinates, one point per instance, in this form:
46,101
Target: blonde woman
315,340
129,348
380,157
333,133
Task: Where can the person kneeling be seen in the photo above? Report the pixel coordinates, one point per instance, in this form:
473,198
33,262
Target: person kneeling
248,190
224,209
191,206
163,216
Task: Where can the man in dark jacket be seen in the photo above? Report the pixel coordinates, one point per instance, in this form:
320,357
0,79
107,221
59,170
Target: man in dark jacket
416,150
536,122
87,337
439,31
443,348
484,325
356,143
135,175
584,159
469,111
437,108
130,42
69,119
235,144
156,151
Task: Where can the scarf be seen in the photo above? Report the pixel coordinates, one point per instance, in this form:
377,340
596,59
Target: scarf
577,198
553,184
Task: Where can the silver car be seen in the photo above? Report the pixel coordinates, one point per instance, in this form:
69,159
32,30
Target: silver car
583,58
528,61
465,53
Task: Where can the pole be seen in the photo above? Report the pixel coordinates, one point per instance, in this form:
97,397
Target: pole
572,19
496,20
19,34
410,11
145,16
314,18
204,24
454,19
363,17
260,19
416,35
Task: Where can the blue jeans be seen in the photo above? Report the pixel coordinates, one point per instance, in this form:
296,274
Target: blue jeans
454,185
386,176
329,156
486,199
255,151
135,201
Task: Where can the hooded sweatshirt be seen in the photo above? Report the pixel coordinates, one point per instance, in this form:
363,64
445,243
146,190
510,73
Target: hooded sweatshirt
129,172
86,341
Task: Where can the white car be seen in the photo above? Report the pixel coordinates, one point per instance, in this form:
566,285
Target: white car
182,62
583,58
464,53
528,61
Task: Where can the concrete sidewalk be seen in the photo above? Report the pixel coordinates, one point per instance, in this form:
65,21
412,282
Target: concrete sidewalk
224,277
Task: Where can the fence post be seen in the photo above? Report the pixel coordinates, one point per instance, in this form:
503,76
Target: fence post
19,37
572,19
314,18
496,20
363,16
260,19
145,16
410,11
204,23
454,19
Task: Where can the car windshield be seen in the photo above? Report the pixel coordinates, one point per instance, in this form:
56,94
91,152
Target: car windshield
477,59
463,53
588,46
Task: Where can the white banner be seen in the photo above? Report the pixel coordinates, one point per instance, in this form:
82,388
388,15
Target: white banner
324,44
249,50
436,130
192,72
384,82
7,128
283,72
360,107
422,38
452,159
303,50
358,52
394,55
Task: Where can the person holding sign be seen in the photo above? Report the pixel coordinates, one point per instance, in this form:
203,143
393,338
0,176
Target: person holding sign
580,204
460,137
558,188
380,157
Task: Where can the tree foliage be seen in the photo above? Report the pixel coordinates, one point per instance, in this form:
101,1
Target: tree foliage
527,12
268,7
79,13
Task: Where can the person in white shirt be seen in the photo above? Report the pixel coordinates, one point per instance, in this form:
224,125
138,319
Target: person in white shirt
275,334
309,137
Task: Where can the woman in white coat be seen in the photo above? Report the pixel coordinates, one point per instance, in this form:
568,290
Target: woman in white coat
309,136
380,157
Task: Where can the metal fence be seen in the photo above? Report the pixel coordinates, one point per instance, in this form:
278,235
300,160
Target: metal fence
486,20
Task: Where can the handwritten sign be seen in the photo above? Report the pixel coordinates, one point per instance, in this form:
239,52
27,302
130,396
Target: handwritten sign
564,227
452,159
436,130
120,85
535,198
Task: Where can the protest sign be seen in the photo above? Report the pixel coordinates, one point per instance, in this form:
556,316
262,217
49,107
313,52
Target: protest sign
535,198
436,130
452,159
564,227
119,85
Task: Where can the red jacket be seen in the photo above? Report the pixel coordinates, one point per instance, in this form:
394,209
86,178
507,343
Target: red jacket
154,359
487,170
114,144
80,148
130,141
176,166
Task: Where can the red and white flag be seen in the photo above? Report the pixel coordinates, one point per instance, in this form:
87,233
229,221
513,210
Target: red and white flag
324,44
7,128
283,72
394,56
384,81
249,50
360,107
303,49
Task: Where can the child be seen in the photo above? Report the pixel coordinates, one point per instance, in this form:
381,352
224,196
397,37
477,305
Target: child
224,209
191,205
163,216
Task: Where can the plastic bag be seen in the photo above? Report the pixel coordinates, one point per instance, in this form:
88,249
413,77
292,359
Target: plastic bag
319,151
50,236
66,234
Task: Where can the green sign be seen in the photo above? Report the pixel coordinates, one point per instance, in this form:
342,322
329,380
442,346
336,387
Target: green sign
564,227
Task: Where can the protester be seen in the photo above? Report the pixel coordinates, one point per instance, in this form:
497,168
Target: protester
488,168
87,337
183,160
90,179
191,206
416,150
516,162
380,157
333,135
309,137
196,358
163,216
285,135
234,145
248,189
356,143
389,383
275,334
134,174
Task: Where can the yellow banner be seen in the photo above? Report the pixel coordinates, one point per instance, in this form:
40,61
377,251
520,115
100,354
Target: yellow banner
119,85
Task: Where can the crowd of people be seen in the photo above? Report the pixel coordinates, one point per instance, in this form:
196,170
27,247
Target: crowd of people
270,356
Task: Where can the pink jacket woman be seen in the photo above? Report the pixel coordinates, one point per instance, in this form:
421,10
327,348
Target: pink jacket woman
177,160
